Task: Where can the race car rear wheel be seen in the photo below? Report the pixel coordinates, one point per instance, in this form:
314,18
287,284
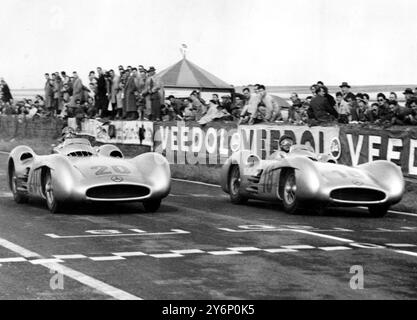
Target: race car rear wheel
234,186
152,205
289,198
53,204
18,196
378,211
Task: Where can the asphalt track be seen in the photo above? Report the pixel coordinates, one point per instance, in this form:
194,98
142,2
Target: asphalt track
200,246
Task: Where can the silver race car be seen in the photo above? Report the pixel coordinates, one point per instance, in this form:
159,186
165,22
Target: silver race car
77,172
303,180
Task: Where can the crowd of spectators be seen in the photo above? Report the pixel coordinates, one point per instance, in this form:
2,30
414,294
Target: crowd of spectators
138,93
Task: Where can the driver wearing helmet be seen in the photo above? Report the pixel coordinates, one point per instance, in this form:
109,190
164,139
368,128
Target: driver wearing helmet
284,146
68,133
285,143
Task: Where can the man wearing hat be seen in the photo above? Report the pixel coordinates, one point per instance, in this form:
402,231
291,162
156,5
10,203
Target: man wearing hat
409,97
154,92
347,95
141,87
130,97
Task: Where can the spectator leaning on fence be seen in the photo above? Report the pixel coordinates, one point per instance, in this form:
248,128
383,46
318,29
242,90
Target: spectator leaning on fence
271,111
342,108
321,110
248,114
409,97
347,95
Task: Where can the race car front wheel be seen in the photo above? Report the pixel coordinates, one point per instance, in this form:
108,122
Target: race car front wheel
152,205
289,197
234,186
378,211
53,204
18,196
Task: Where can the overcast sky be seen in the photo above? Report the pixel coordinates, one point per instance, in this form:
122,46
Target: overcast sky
275,42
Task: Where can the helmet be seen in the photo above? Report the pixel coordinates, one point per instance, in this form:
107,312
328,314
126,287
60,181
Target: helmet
68,133
285,143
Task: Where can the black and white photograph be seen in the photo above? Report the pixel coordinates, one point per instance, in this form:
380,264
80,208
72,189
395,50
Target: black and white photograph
226,151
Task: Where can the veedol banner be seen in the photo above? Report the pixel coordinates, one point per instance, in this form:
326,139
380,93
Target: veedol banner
183,144
399,145
192,144
263,139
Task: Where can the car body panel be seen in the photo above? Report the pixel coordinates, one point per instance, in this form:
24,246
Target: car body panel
378,182
87,168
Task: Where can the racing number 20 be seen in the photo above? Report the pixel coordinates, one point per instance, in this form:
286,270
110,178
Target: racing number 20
104,170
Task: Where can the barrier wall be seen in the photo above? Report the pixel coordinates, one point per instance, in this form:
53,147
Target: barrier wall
198,153
18,127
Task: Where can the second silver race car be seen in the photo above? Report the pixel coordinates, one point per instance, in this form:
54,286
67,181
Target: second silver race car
303,180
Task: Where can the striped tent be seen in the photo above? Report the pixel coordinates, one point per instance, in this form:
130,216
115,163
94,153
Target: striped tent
188,76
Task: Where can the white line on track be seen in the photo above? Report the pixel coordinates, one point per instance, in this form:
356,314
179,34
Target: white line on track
130,254
280,250
71,273
224,253
197,182
166,255
107,258
335,248
404,213
90,282
409,253
322,235
70,256
187,251
18,249
17,259
245,249
41,261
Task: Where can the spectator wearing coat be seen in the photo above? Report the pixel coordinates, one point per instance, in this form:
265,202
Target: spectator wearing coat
78,91
155,95
270,111
102,101
6,95
49,93
342,108
141,87
321,110
131,111
347,95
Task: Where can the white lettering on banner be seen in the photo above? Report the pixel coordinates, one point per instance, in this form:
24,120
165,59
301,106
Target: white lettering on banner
411,168
372,152
391,153
355,153
211,140
174,138
214,146
223,148
197,137
164,136
184,139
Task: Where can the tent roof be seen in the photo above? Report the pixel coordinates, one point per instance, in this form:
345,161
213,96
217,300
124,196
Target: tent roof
185,74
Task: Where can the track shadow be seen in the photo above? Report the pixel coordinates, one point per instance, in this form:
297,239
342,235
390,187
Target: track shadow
103,208
340,212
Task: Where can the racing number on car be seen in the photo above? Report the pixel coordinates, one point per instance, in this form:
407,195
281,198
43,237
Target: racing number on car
104,170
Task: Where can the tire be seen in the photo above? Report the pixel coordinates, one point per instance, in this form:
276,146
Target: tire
234,186
52,202
18,196
289,199
152,205
378,211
